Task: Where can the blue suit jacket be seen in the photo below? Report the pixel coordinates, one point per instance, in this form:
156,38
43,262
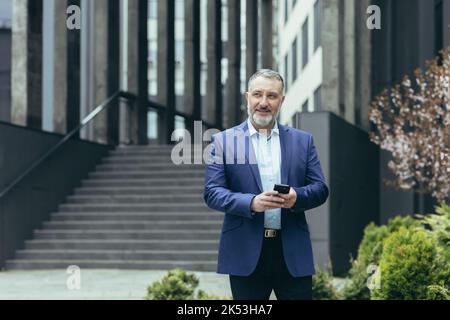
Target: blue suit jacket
231,184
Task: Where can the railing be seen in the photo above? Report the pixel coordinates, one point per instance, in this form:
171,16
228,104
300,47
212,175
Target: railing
131,98
152,105
52,150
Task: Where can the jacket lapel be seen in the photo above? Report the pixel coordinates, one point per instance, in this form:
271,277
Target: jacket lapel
286,152
250,157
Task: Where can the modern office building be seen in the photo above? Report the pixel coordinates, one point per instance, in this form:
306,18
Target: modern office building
334,65
160,65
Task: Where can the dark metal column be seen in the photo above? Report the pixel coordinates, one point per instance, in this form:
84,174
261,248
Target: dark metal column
166,69
234,63
142,106
214,54
267,33
192,98
251,38
113,69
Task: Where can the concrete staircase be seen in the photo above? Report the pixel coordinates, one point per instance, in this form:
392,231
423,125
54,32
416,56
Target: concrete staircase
137,210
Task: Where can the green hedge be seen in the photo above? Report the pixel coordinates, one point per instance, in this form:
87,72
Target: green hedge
405,242
322,285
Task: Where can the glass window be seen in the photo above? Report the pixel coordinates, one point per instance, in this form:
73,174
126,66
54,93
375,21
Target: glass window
286,10
294,60
286,72
5,14
179,9
152,128
317,99
317,24
152,9
305,43
305,106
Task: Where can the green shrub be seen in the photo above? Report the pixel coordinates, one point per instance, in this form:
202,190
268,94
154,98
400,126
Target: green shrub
177,284
436,292
369,252
406,266
322,285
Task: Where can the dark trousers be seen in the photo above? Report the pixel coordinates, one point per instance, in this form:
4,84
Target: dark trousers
271,273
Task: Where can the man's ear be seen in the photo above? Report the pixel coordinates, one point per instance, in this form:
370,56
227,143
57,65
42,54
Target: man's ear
246,97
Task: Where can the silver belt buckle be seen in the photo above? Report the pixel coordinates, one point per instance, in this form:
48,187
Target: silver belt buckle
270,233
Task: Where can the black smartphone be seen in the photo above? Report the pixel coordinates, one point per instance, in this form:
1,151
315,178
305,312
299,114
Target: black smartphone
282,188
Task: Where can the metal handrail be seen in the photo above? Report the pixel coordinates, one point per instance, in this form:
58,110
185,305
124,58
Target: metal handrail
161,108
122,94
42,158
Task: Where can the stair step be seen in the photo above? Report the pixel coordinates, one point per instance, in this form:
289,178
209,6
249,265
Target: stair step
133,225
155,190
138,216
117,254
149,146
136,199
158,234
121,245
155,206
148,174
144,182
141,152
23,264
121,159
137,210
148,167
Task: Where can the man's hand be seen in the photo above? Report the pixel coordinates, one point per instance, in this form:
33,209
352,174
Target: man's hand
289,199
267,200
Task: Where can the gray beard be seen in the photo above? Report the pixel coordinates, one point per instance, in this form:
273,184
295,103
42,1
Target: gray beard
261,121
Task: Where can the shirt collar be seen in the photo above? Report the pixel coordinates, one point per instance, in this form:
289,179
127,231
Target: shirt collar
252,130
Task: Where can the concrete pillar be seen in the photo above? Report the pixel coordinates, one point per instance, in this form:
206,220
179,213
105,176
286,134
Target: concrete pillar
87,64
214,54
99,70
130,70
347,85
234,97
26,69
192,98
363,68
166,69
100,85
330,52
267,34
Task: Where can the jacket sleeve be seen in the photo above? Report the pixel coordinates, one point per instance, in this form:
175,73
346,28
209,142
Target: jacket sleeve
217,195
315,192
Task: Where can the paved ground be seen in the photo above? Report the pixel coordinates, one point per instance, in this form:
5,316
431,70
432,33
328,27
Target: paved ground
94,284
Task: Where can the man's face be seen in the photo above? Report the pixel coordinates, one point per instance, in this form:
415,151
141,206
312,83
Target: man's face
264,99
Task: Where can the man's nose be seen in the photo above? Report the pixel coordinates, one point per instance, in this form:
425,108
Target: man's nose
264,101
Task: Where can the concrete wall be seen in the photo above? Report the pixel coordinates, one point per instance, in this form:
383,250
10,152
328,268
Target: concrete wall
25,207
5,74
350,164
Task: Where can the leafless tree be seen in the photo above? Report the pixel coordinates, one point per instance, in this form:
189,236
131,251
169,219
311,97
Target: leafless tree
412,122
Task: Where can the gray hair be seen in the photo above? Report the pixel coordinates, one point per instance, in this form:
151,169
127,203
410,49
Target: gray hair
268,74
